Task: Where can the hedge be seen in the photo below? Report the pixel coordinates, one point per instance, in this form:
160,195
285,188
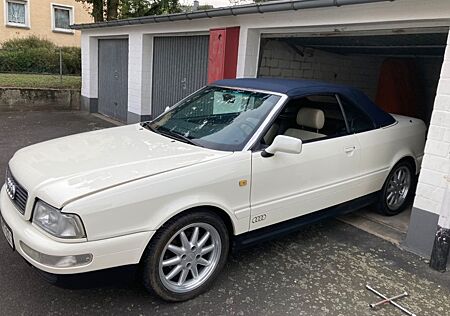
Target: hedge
35,55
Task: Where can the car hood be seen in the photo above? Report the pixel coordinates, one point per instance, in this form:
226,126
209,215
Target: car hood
64,169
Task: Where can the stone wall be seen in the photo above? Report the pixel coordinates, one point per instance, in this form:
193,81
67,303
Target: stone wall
28,99
278,59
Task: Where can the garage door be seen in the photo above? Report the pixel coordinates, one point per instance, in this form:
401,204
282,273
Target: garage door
180,66
113,78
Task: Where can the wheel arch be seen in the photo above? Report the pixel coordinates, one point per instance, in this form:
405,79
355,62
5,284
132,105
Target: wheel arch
211,208
408,159
382,206
215,210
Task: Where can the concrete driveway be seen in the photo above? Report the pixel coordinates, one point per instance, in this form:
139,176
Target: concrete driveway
321,270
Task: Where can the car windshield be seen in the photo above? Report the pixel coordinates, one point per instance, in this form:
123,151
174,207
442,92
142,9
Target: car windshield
216,118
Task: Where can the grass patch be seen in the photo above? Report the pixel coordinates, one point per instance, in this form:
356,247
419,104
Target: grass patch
39,81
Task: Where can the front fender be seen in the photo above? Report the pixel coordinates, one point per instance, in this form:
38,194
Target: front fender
239,218
146,204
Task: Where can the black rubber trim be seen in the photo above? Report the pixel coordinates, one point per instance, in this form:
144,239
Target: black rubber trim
265,154
281,229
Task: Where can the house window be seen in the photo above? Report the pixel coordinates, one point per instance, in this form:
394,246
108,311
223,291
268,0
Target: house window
62,18
17,13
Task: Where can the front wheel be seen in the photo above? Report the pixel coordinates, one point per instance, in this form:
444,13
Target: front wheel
185,256
398,190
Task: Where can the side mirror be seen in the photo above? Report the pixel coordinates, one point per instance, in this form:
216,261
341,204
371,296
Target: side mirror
283,144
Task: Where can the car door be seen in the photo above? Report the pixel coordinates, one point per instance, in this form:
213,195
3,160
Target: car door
286,186
377,149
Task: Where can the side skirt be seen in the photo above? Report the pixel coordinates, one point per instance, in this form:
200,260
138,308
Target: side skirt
284,228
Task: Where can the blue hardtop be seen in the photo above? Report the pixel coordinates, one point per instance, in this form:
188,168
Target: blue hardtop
299,88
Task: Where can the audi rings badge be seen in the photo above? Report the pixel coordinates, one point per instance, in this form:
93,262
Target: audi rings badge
258,218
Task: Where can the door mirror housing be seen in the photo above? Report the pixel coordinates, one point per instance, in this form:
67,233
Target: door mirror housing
283,144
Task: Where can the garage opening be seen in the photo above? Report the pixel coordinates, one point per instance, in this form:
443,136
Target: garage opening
398,69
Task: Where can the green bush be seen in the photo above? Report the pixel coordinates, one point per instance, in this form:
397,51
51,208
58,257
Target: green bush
32,41
35,55
71,57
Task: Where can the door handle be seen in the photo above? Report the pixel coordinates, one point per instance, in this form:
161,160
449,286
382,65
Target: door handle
350,149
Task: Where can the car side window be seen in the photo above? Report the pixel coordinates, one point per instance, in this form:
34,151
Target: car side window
357,120
310,118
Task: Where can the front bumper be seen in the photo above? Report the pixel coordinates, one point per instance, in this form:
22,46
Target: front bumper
106,253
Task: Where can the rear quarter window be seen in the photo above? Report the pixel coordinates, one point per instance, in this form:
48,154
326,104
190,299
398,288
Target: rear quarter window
358,121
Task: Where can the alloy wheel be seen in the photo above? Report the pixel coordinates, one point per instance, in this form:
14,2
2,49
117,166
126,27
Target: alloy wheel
190,257
398,188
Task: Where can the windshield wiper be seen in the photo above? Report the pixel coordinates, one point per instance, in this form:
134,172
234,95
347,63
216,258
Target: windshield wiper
170,134
177,136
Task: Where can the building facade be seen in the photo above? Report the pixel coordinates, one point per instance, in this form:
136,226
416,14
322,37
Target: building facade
47,19
343,41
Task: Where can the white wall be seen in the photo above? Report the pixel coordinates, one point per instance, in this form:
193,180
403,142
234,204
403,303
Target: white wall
435,175
89,66
135,61
140,73
278,59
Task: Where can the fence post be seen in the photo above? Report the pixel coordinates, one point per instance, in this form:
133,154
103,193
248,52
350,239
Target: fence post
60,66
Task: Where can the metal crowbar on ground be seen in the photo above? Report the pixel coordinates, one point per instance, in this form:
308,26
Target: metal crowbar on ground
387,300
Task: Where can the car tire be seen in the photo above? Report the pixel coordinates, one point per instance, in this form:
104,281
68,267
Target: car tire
185,256
398,189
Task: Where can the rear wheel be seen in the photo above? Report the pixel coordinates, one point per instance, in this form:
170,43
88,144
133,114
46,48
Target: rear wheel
185,256
397,190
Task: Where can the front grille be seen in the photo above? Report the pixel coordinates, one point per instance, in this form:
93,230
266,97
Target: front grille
16,192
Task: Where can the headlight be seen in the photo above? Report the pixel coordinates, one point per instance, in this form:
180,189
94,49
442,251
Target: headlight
56,223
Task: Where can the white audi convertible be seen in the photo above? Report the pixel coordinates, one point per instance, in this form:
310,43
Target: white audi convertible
236,162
